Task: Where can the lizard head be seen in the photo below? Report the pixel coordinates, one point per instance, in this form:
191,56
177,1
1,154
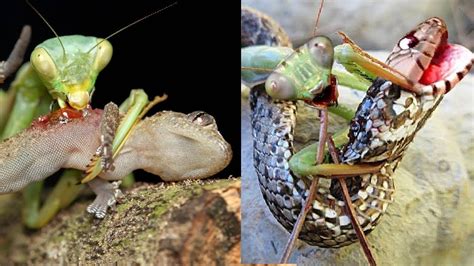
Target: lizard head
179,146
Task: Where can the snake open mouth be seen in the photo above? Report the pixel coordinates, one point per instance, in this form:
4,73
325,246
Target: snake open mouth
448,59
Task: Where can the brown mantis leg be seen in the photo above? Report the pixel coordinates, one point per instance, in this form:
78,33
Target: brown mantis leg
15,59
323,116
350,208
300,221
330,171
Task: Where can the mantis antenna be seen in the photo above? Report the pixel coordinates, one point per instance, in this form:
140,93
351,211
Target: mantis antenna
50,27
321,4
131,24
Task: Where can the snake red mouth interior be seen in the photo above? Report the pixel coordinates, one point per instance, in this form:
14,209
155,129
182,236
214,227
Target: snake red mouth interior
449,58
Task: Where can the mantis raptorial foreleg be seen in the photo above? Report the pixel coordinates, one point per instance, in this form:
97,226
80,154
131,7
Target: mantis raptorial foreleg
37,214
135,107
7,68
108,128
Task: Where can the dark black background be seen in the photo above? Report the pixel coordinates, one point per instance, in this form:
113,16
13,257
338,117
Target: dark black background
189,51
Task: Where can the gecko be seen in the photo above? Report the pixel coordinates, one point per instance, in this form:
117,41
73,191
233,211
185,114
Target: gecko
172,145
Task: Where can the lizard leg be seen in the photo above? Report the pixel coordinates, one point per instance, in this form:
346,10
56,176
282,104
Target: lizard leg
108,126
107,195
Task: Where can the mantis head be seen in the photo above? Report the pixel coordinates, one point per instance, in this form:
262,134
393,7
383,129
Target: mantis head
304,74
70,67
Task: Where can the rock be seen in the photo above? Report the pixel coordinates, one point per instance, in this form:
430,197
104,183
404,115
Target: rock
170,224
431,221
372,24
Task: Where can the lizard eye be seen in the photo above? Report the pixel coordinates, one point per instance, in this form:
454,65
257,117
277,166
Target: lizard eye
280,87
321,50
201,118
103,54
43,63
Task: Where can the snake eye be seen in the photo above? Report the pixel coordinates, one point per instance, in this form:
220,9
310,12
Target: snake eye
43,63
322,51
103,54
280,87
409,41
201,118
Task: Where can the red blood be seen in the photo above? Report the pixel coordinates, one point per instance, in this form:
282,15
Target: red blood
328,97
57,116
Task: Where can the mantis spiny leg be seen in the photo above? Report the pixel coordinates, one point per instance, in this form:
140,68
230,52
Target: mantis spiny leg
136,107
323,117
350,208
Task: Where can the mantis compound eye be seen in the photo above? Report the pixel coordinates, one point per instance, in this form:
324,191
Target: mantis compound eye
103,54
43,64
280,87
322,51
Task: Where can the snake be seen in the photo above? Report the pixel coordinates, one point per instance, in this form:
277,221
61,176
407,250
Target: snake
384,125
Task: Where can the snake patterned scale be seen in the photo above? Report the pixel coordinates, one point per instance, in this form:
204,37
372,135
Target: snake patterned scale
385,123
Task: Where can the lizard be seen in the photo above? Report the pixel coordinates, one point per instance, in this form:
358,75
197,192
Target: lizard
172,145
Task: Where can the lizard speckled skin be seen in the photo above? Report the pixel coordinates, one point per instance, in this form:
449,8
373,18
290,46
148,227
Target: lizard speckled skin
384,124
174,146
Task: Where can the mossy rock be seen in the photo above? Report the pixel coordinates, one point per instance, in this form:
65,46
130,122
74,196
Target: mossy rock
172,223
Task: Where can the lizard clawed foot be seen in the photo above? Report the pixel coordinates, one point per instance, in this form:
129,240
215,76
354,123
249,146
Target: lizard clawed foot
107,195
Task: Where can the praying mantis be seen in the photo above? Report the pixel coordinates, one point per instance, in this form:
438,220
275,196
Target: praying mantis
417,77
63,69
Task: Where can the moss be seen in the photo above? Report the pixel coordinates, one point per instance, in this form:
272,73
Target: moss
130,230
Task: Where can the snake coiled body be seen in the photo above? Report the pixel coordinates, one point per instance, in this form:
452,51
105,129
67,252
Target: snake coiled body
385,123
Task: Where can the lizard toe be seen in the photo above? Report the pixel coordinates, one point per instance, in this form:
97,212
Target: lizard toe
107,195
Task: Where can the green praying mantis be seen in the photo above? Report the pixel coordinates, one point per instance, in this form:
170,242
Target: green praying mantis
63,70
422,67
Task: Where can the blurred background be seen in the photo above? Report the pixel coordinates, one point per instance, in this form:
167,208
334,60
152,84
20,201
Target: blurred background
372,24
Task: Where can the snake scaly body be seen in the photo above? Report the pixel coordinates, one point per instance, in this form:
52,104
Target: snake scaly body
385,123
